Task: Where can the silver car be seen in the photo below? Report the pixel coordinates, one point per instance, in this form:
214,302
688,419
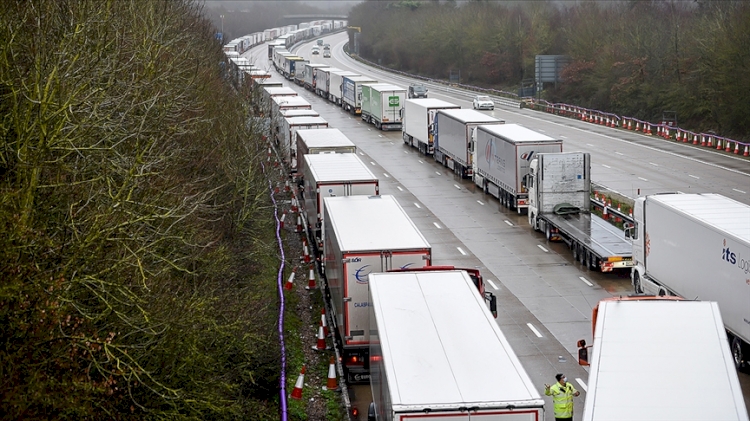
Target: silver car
483,102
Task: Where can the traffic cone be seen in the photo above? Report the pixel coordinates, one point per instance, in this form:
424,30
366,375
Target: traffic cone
637,126
736,148
281,221
596,195
718,144
290,282
630,213
321,345
286,186
324,322
728,146
685,137
299,224
747,151
297,392
332,383
630,124
703,140
306,255
710,142
311,280
658,130
605,214
648,129
695,139
294,204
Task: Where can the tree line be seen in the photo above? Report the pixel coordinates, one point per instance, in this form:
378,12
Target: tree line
633,58
138,253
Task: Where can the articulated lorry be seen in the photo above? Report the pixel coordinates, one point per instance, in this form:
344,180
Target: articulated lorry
351,92
363,235
559,193
333,175
382,105
697,246
317,141
311,72
323,79
336,83
419,118
437,353
502,153
660,359
288,140
453,133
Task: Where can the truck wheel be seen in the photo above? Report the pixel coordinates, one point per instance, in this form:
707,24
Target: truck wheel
591,261
534,222
547,231
582,256
637,285
737,352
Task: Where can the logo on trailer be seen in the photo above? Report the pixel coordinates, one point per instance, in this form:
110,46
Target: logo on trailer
526,156
734,258
406,266
489,151
361,274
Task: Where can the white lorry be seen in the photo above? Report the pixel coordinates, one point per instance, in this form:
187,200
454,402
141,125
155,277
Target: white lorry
697,246
288,103
323,79
289,128
453,134
559,192
336,83
660,359
426,330
351,92
317,141
364,235
311,70
502,153
333,175
382,105
419,116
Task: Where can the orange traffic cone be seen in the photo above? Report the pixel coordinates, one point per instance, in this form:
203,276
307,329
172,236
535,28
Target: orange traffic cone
332,383
605,214
718,144
294,204
306,255
311,280
323,321
299,224
648,129
297,392
630,124
747,151
286,186
736,148
281,221
290,282
321,345
695,139
728,147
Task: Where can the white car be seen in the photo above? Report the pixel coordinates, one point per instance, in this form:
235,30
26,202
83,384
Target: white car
315,50
483,102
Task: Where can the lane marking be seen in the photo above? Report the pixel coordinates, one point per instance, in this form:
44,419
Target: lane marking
582,384
606,166
457,186
508,223
380,135
585,281
420,161
437,225
372,163
641,178
438,173
739,191
399,188
406,152
563,137
590,145
493,284
694,176
361,154
417,205
542,247
480,202
462,251
386,175
654,164
618,153
533,329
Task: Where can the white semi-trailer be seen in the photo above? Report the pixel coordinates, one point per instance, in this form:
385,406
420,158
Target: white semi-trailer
453,134
289,128
502,153
319,141
660,359
364,235
697,246
419,118
323,80
427,329
311,70
333,175
559,191
351,92
383,104
336,83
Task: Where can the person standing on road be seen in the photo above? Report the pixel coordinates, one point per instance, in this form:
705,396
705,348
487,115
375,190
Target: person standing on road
562,394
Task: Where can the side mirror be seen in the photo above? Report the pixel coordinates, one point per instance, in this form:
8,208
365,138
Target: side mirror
583,353
493,304
371,412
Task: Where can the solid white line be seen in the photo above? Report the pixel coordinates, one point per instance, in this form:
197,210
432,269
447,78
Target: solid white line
585,281
493,284
508,222
386,175
437,225
457,186
480,202
641,178
583,385
417,205
739,191
533,329
606,166
542,247
399,188
694,176
461,251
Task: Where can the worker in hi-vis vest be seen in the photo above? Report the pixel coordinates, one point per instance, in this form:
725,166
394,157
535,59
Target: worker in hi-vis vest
562,394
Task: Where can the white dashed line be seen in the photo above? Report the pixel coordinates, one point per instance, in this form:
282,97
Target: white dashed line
585,281
582,384
618,153
533,329
372,163
641,178
590,145
438,173
399,188
460,250
480,202
508,223
542,247
420,161
361,154
386,175
437,225
654,164
606,166
457,186
493,284
694,176
739,191
417,205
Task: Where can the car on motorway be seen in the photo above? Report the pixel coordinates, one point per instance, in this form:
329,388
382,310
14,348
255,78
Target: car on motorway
327,54
316,51
320,42
483,102
417,90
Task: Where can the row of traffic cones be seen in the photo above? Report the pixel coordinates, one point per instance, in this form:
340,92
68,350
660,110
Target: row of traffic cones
332,383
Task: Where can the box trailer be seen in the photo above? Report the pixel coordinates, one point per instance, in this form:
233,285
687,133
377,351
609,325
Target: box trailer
364,235
290,65
311,70
333,175
419,117
272,92
502,153
453,134
559,205
320,141
383,105
323,81
351,92
289,128
697,246
335,85
438,353
655,358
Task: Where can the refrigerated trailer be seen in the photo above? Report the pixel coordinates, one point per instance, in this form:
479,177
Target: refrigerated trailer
335,85
364,235
311,70
382,105
453,134
289,128
697,246
320,141
419,117
351,92
438,353
559,191
502,153
323,80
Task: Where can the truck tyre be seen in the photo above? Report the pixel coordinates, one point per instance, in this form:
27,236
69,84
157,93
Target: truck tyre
582,256
534,222
591,261
737,352
547,231
637,285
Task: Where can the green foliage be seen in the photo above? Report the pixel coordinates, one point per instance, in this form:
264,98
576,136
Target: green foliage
137,278
633,58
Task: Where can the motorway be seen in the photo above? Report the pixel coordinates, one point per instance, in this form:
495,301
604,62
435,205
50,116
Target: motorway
544,297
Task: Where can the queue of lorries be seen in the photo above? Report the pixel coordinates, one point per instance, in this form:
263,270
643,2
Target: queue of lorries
396,316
